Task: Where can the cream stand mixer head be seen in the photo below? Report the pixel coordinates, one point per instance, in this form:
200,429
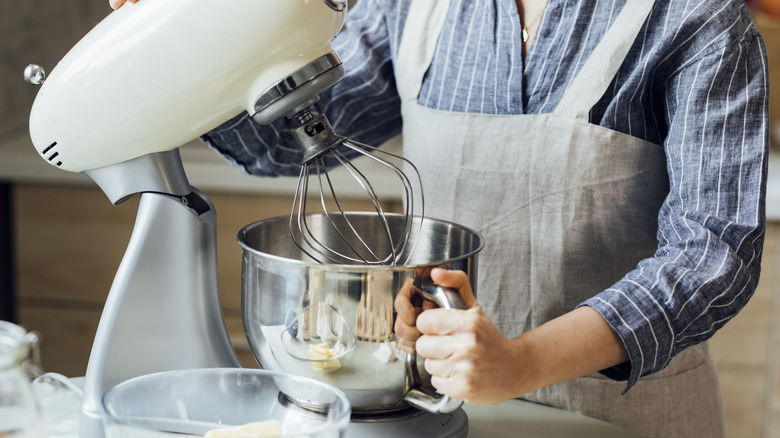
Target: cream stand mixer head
147,79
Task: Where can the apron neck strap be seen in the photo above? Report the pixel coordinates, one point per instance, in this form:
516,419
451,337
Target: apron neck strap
592,81
424,23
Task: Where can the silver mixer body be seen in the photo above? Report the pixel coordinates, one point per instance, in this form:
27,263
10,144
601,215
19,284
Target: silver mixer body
147,79
157,74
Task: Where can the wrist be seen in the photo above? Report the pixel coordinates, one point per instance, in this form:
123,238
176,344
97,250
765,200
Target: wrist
527,360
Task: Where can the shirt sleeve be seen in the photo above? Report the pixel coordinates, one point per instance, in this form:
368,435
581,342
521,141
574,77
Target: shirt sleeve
712,223
364,106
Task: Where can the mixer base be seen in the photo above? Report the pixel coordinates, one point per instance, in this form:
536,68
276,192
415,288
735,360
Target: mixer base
455,425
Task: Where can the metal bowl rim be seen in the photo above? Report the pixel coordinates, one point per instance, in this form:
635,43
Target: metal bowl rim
358,267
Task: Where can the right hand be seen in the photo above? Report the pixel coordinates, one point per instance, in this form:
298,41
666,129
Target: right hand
116,4
409,304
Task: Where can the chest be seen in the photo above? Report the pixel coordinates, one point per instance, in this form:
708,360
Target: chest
479,55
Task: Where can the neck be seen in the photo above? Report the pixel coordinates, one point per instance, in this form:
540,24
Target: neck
530,13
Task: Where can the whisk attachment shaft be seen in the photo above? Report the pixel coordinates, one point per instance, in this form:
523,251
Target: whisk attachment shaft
339,240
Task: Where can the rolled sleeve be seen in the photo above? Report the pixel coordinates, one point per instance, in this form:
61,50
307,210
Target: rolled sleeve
712,223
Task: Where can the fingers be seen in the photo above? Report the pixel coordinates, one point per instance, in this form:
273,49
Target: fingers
449,321
116,4
469,357
457,280
409,307
404,307
406,332
451,365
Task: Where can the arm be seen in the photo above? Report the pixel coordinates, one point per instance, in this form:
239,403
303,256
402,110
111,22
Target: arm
711,230
364,106
711,226
469,358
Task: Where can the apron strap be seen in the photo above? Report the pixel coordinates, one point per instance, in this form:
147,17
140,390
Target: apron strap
418,44
425,21
590,84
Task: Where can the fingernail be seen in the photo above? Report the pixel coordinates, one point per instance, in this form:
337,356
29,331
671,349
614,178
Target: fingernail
115,4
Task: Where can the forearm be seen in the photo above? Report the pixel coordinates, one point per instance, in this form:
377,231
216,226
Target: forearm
575,344
469,358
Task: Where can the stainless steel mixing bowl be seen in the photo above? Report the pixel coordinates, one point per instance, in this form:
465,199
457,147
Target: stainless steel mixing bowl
335,323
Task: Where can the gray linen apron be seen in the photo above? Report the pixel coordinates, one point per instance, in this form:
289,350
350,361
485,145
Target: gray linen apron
567,208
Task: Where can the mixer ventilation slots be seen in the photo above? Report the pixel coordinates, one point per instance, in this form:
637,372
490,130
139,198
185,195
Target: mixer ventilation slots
53,155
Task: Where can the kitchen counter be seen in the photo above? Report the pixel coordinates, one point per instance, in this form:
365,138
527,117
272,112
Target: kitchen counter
506,420
518,418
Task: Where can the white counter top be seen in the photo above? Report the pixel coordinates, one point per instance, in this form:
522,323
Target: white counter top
506,420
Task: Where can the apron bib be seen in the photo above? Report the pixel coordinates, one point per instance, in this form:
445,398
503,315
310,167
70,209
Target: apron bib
567,208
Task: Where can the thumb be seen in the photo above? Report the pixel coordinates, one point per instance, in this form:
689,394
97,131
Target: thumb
457,280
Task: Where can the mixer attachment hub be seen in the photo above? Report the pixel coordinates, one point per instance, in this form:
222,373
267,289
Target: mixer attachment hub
315,136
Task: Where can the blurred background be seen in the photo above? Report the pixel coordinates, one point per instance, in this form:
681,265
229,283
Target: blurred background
61,240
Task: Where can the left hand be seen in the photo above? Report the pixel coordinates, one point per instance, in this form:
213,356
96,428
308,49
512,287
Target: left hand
116,4
465,353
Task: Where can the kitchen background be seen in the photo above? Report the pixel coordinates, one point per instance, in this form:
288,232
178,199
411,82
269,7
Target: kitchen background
61,240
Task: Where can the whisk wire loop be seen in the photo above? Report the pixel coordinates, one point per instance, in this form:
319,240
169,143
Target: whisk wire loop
409,204
300,223
369,189
399,246
317,139
343,217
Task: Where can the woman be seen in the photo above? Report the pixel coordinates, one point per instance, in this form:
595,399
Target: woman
613,153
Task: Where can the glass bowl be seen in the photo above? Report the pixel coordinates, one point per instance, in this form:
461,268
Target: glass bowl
320,336
193,402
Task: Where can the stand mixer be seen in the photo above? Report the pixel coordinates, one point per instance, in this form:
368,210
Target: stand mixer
149,78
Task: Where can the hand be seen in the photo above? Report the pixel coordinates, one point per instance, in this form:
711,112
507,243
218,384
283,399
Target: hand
465,353
469,358
408,306
460,363
409,303
116,4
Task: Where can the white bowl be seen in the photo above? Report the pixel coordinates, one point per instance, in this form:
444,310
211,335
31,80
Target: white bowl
192,402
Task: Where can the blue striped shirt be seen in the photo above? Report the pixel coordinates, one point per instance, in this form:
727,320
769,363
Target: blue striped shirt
695,82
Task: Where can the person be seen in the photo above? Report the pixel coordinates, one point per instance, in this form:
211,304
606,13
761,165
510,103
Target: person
613,153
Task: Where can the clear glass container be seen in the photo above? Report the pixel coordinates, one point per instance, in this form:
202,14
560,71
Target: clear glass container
20,416
194,402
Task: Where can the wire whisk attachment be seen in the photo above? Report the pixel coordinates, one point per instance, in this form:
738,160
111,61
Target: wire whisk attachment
332,234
